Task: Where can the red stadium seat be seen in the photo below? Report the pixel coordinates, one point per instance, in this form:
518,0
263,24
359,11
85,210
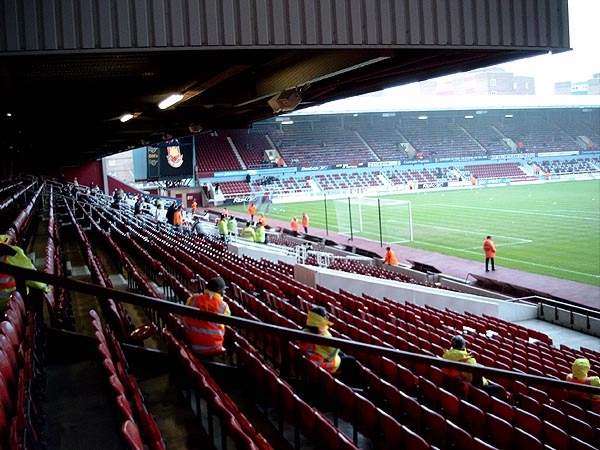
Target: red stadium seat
554,415
131,433
433,425
555,437
457,437
390,432
499,432
449,404
502,409
472,419
580,429
525,440
412,441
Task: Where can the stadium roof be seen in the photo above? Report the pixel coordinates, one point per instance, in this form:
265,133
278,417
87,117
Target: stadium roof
68,75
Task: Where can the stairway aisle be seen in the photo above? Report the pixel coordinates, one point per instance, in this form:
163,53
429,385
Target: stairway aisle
76,409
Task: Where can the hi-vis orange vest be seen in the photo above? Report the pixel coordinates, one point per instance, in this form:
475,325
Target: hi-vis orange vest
584,395
315,353
322,355
206,337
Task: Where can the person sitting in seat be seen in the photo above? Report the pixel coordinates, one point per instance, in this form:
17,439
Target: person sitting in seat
579,374
459,352
329,358
206,338
15,256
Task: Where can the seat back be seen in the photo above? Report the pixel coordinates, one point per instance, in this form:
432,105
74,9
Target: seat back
499,432
131,433
472,419
528,422
555,437
525,440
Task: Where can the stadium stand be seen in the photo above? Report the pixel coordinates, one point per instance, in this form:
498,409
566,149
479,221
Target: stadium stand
275,297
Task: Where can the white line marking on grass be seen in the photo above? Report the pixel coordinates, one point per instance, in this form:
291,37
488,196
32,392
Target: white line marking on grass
481,233
521,211
498,260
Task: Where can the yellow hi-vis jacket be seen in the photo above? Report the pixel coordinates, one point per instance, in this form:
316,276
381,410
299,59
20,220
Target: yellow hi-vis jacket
15,256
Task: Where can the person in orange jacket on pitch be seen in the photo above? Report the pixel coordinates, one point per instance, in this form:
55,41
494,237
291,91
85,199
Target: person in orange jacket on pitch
489,249
251,211
294,225
305,221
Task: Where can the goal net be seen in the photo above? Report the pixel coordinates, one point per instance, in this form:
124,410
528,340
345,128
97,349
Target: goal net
389,221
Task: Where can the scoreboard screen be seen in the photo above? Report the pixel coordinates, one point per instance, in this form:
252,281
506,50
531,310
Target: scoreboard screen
170,160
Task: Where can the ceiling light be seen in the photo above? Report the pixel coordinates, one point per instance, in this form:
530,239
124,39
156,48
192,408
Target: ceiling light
422,117
468,117
287,122
170,101
508,116
126,117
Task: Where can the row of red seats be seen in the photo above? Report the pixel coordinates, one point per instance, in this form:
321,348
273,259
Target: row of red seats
407,374
197,383
22,374
420,313
129,398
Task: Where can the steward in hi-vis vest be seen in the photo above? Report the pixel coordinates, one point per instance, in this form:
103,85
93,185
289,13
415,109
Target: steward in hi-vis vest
207,337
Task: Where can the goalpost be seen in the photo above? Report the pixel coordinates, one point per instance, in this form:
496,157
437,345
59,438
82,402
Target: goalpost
389,221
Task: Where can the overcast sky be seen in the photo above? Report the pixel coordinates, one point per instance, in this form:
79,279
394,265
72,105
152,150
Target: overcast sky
578,64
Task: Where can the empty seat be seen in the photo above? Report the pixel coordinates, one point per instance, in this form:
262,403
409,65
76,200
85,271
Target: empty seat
572,409
433,425
413,441
528,422
390,432
502,409
449,404
457,438
554,415
528,404
472,419
579,428
131,433
499,432
578,444
555,437
525,440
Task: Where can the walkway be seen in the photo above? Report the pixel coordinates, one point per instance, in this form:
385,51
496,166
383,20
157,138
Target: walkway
582,294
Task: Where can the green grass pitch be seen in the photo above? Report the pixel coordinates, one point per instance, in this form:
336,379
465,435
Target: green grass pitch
551,229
